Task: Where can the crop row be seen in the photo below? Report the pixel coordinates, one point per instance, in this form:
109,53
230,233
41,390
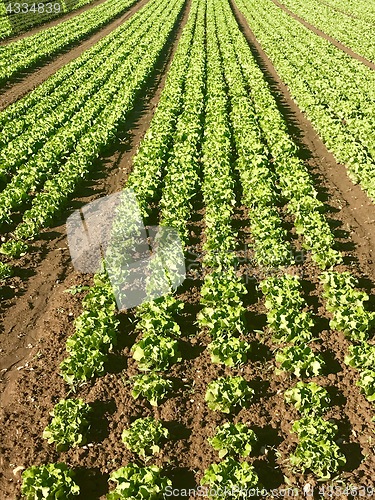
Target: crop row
354,33
337,94
349,316
222,292
274,161
16,57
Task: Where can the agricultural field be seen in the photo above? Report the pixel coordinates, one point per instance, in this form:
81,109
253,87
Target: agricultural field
187,270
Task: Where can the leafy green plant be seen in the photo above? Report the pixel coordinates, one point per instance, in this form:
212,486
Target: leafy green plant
317,450
76,289
312,427
299,360
233,439
361,356
48,482
155,352
228,478
138,483
144,435
228,393
285,317
95,334
223,319
14,248
367,383
156,316
69,425
151,386
347,305
322,457
219,286
229,350
290,325
5,271
308,398
82,365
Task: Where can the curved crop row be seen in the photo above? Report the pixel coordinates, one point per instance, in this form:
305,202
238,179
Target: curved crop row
361,9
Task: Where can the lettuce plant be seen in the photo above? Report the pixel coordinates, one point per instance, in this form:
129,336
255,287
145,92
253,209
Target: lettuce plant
228,393
229,350
233,439
361,356
5,271
299,360
48,482
323,457
317,450
227,478
151,386
367,383
138,483
308,398
156,352
144,435
69,425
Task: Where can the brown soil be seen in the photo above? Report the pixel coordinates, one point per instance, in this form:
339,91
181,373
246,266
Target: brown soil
329,38
50,24
25,84
42,315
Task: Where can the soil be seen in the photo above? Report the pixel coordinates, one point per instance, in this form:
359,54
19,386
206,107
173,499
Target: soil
24,84
38,318
329,38
50,24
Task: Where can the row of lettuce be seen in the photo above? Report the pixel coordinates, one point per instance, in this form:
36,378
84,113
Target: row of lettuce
213,67
360,9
